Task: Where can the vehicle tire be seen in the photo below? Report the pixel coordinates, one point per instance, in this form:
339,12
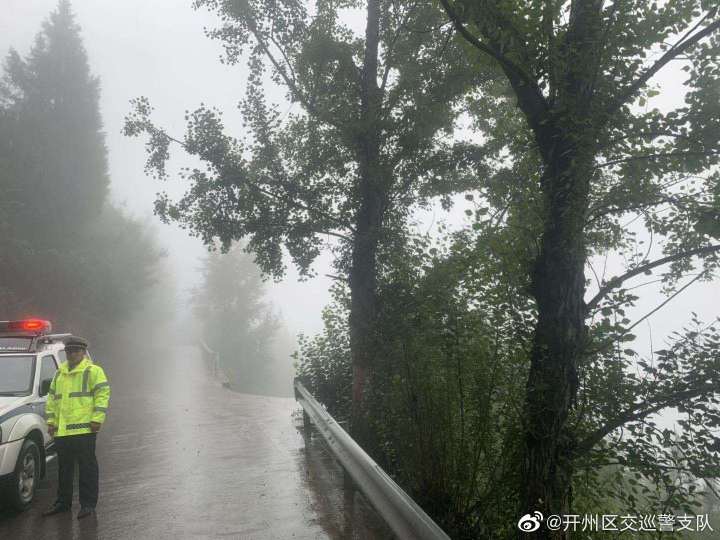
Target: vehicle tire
21,490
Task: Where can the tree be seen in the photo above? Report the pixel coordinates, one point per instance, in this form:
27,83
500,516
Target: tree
455,335
236,321
66,253
54,103
580,74
368,141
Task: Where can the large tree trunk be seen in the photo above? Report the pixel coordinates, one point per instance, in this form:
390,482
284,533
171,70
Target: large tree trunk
372,196
568,149
558,284
363,304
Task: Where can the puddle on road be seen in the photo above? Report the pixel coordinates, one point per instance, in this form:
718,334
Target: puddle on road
343,515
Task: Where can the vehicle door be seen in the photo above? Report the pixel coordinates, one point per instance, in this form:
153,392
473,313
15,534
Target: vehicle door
48,367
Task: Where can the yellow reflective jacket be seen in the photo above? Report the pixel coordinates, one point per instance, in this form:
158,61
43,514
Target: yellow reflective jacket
77,397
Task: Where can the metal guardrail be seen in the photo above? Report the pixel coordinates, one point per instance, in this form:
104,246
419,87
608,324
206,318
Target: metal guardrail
213,359
400,512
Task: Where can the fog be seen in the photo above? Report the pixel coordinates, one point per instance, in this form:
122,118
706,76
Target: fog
158,49
450,400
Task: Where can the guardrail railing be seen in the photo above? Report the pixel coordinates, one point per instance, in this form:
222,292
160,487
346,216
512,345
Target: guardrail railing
213,361
400,512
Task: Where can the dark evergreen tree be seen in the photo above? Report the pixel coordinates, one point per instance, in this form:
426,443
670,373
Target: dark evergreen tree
65,253
58,138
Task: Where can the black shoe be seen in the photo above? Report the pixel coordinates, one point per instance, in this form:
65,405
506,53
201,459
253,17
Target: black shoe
56,509
85,512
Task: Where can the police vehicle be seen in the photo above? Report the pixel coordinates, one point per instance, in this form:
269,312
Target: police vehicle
29,357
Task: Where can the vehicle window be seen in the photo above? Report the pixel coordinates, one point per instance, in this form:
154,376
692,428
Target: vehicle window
47,368
15,344
16,375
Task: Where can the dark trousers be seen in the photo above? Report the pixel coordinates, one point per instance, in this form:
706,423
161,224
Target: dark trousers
80,448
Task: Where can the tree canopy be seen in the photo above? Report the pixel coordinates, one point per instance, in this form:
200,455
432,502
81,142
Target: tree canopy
369,138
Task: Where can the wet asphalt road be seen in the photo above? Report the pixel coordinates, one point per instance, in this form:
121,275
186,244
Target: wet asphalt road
182,457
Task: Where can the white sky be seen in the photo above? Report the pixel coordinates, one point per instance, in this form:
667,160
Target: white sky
157,48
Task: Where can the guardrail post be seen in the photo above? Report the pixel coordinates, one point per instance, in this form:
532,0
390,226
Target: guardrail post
307,426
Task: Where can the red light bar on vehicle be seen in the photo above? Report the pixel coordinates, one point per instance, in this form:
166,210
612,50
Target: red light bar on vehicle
28,326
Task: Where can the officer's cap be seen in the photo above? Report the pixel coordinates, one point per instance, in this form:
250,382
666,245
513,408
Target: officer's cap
75,342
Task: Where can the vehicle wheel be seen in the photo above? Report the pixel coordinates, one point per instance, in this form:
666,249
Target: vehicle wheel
26,476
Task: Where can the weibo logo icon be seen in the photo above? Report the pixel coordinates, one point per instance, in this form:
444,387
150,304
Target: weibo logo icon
530,522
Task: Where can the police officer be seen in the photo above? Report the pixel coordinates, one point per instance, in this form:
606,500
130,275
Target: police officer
76,407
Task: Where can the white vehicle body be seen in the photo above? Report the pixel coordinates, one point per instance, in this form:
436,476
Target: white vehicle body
22,416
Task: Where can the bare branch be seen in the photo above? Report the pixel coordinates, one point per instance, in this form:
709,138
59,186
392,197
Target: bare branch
530,97
664,303
615,282
642,410
343,237
475,42
647,135
290,68
708,483
668,155
601,211
391,49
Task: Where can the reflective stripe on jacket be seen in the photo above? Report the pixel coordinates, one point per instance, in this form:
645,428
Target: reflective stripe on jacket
77,397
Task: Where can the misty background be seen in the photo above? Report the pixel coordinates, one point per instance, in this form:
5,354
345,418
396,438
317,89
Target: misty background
158,49
80,245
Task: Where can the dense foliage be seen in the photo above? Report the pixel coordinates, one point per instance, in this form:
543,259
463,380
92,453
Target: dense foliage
455,332
581,73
